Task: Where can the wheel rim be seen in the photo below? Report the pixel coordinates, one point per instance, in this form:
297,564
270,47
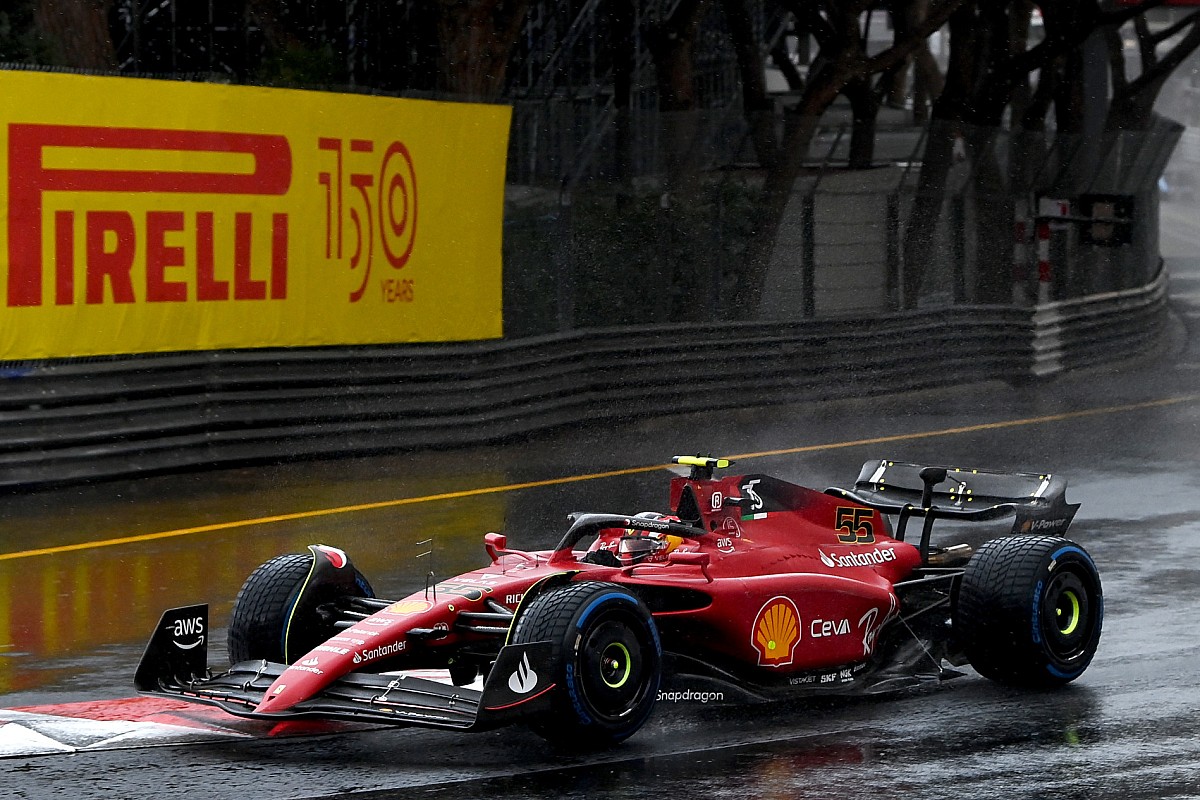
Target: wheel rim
1067,612
1068,616
616,665
612,666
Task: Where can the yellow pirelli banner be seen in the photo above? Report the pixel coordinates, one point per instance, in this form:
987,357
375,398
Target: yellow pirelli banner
151,216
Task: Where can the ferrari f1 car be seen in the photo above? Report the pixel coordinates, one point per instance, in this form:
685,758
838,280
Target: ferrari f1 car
750,586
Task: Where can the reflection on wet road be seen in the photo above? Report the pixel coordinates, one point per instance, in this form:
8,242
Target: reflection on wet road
74,617
67,595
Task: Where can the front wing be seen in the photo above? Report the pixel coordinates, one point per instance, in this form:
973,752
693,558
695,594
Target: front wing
518,686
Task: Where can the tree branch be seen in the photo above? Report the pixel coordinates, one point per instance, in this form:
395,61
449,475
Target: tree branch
901,50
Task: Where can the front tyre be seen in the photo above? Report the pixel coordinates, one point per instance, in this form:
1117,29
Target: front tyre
1030,610
281,611
607,660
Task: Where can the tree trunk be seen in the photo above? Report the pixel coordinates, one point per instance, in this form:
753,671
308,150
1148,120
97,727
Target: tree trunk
477,37
995,209
771,205
624,21
841,60
783,62
757,106
927,206
1133,102
864,107
946,126
672,48
75,32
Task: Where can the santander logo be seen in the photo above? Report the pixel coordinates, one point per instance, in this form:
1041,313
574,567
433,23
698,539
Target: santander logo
866,558
523,678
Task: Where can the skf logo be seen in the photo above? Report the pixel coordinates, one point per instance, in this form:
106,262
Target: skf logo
175,251
776,632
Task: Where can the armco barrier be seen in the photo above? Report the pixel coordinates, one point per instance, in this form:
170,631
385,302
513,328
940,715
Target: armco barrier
103,417
1099,329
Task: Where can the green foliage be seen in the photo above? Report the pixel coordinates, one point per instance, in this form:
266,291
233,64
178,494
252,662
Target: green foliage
301,64
625,258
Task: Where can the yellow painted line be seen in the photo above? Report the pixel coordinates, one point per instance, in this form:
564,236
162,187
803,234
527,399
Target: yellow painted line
321,512
516,487
985,426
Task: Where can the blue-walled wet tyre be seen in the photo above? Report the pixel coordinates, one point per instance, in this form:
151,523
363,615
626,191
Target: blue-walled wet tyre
1030,610
267,625
607,660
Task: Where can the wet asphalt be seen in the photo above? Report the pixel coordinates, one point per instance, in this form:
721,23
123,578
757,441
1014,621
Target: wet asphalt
73,620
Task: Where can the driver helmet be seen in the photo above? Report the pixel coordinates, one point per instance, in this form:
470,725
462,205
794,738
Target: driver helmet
637,546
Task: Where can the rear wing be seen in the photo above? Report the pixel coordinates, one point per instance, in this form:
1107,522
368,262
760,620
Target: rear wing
1037,501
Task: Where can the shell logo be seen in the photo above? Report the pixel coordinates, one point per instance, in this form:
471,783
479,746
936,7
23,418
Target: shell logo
776,632
409,607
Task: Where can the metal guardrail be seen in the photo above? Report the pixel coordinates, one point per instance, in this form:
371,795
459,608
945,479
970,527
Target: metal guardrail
1099,329
78,420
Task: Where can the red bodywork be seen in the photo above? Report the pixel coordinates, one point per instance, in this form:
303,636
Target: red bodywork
786,580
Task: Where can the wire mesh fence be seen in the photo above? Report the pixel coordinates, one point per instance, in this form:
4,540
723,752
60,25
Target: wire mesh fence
1009,218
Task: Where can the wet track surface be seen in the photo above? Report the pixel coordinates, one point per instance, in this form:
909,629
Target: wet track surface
77,604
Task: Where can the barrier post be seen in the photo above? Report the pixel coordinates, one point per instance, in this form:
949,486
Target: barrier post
1020,264
1045,272
1052,214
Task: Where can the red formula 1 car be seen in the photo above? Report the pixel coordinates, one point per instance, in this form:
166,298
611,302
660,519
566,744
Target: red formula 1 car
750,586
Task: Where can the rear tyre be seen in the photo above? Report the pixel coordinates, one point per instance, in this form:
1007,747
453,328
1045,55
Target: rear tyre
607,660
1030,610
266,623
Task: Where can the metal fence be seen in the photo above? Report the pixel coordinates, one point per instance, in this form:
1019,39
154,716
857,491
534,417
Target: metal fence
617,304
104,417
1016,220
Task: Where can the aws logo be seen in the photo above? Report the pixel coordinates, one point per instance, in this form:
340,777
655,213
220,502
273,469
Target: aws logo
187,634
776,632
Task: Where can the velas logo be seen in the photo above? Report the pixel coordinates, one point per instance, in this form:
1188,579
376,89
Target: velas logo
776,632
113,240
